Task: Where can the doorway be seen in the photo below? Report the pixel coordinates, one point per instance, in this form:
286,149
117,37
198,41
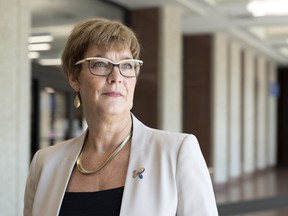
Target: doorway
53,116
283,118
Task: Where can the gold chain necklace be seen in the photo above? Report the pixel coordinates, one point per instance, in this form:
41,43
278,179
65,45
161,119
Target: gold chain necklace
119,148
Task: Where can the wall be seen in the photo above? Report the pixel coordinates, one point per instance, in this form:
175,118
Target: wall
197,67
15,104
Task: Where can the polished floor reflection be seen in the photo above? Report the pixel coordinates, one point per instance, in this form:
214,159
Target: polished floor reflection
279,212
264,193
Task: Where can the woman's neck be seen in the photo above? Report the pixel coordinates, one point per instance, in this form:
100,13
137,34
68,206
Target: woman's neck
107,132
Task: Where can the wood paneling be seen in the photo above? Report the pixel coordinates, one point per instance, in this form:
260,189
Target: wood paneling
197,90
146,24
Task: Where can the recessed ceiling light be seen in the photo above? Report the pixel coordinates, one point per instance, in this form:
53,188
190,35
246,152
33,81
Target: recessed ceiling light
268,7
39,47
50,62
33,55
40,39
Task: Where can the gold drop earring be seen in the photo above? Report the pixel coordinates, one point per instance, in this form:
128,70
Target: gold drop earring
77,100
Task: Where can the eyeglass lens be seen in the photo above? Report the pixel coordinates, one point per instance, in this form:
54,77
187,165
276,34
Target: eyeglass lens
100,67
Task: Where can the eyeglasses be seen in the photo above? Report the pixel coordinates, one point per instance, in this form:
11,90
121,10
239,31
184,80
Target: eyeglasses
104,67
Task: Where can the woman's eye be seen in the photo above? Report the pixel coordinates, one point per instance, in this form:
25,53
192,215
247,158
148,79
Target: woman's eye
127,66
100,64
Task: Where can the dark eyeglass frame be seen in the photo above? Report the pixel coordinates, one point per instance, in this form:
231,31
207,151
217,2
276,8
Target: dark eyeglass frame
114,64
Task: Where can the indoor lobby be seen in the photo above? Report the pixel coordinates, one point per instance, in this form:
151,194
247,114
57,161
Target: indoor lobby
211,68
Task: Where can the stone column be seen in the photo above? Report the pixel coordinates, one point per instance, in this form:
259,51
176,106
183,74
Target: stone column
220,107
235,89
249,139
15,104
272,114
170,69
261,113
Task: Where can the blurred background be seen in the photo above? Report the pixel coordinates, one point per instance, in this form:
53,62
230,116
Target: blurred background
215,68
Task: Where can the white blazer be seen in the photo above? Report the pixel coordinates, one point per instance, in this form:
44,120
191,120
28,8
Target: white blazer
176,180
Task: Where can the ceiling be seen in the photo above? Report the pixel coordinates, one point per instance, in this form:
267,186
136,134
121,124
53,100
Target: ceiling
268,34
58,17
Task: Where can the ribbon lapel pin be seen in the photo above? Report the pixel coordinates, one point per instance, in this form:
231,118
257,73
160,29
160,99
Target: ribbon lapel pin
138,172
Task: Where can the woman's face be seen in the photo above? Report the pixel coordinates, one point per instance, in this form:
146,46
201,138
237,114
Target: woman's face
112,94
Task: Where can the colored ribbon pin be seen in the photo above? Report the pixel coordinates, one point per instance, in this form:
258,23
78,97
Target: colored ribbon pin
138,172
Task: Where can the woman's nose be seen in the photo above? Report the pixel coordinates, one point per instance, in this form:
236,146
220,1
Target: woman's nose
115,75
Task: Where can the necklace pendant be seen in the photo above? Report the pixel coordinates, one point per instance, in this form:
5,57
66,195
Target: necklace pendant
119,148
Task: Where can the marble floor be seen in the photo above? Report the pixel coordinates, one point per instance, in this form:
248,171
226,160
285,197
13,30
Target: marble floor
264,193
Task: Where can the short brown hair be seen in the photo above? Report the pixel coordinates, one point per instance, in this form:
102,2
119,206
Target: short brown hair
104,33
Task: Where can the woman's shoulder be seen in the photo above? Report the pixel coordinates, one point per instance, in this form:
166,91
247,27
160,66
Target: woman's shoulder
60,146
161,134
167,134
170,137
60,150
158,137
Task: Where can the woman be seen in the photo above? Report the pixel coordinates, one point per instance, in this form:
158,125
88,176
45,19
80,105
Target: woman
118,166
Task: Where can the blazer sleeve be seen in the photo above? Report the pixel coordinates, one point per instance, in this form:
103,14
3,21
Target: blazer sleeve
30,188
194,186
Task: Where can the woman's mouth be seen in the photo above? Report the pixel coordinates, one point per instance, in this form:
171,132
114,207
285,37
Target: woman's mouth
113,94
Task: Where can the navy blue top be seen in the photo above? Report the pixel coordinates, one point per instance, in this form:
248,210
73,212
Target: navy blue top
103,203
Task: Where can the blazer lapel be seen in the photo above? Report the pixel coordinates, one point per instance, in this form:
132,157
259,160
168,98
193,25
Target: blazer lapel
135,161
66,168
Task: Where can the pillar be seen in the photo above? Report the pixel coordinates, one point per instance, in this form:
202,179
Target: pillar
15,104
170,69
261,113
249,139
235,89
272,114
220,107
158,95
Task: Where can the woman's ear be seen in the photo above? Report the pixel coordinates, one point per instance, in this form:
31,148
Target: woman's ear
74,83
